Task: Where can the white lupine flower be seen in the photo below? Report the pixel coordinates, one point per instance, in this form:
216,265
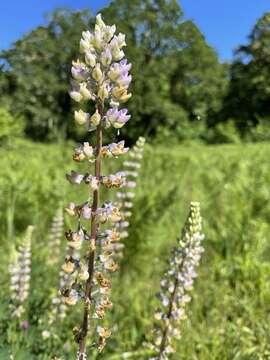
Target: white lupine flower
129,184
55,236
178,279
20,270
132,164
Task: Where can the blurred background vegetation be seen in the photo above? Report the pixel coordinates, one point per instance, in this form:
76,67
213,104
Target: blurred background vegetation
229,315
182,96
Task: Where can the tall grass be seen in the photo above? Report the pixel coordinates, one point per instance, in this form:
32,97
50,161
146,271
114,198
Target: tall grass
229,315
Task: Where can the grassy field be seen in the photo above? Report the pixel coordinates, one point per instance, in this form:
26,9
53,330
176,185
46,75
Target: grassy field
229,317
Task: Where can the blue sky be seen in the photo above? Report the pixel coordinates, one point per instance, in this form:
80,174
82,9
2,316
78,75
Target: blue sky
225,23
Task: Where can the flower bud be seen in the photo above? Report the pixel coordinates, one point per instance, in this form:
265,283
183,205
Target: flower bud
71,209
100,22
121,94
118,92
86,42
76,96
125,97
98,38
103,92
109,32
95,118
81,117
97,73
85,92
90,58
117,53
84,46
88,150
106,57
121,40
114,72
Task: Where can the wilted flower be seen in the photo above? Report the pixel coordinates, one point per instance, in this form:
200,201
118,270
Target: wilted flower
75,239
72,298
69,265
116,180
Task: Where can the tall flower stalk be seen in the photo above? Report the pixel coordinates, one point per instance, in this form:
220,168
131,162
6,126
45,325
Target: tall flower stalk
176,284
20,275
103,78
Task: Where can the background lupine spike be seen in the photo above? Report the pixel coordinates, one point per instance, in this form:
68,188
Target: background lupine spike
58,306
20,275
126,194
175,285
55,237
103,78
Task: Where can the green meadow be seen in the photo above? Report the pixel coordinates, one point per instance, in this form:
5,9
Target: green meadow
228,317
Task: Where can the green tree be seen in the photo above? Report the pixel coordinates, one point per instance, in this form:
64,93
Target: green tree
177,76
39,65
248,98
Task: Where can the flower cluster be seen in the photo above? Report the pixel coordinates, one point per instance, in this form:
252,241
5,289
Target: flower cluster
20,271
55,236
177,282
87,152
126,195
117,180
103,78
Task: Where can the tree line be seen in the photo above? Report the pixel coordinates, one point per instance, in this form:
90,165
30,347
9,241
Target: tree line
180,87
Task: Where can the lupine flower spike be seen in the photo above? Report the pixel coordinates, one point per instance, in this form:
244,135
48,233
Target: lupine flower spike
55,236
58,305
20,271
176,284
103,78
127,193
